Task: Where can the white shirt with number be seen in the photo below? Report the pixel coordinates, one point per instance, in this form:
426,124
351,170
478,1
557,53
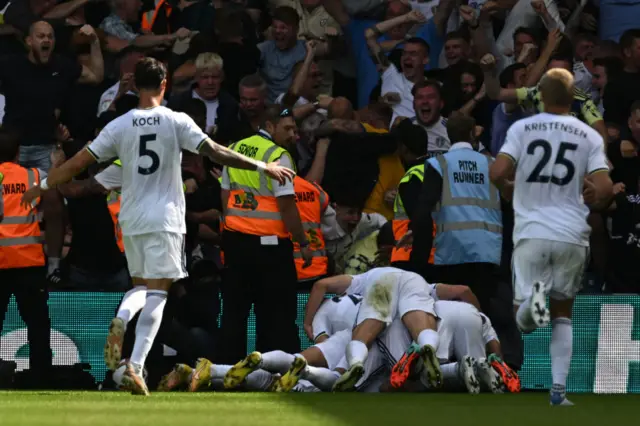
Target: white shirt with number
553,154
149,143
336,314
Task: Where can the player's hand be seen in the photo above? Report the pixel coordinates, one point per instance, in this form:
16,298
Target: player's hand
182,33
619,188
539,7
416,17
390,196
307,256
89,31
468,14
311,47
324,101
406,241
191,186
28,197
488,62
308,329
281,174
391,98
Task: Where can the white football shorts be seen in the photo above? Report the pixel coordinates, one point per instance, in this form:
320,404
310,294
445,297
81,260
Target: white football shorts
156,255
334,347
392,296
559,265
459,330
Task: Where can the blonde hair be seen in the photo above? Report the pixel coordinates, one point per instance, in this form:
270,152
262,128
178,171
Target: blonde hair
208,61
557,87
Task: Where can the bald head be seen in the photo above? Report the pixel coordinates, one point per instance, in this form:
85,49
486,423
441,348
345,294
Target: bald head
41,42
341,108
557,88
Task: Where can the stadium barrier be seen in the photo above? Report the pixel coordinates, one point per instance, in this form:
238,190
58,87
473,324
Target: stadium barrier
606,348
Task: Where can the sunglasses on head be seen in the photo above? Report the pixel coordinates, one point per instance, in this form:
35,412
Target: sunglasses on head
286,113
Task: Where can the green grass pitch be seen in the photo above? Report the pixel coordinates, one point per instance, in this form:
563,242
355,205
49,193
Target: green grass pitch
315,409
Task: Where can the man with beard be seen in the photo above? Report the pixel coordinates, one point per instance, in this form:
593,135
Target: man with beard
260,221
34,86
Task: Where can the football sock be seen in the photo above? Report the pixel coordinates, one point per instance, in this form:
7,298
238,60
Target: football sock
451,376
561,350
428,337
277,361
322,378
147,328
132,302
357,352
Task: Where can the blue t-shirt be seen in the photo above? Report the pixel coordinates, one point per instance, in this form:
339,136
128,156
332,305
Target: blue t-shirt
366,71
276,66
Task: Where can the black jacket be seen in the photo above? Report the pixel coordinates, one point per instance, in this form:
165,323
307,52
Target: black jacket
231,123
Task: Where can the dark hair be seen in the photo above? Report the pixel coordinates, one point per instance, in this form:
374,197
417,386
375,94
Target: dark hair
253,81
457,35
528,31
193,107
229,24
413,137
385,235
274,113
460,127
421,42
149,74
427,83
627,38
508,75
126,103
612,64
9,145
563,58
286,14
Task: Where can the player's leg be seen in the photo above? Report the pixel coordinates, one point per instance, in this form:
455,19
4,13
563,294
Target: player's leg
416,308
274,361
317,363
163,263
567,281
531,265
132,302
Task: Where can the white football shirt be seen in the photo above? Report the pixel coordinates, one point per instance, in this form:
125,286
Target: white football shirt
361,282
149,143
553,154
336,314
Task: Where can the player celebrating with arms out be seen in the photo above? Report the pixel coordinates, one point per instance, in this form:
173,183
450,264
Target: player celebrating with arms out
555,157
149,140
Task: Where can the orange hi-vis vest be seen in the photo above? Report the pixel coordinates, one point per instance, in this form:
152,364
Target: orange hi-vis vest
252,208
401,219
113,203
311,201
149,17
20,238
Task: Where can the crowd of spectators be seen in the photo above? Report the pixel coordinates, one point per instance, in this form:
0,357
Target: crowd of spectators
370,84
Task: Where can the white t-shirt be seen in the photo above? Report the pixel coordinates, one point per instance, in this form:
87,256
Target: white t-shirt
360,283
110,178
212,108
553,154
394,81
488,333
336,314
149,143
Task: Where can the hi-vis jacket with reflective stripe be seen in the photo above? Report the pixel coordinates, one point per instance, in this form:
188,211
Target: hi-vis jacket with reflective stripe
113,203
468,218
149,17
252,207
20,242
401,219
311,201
